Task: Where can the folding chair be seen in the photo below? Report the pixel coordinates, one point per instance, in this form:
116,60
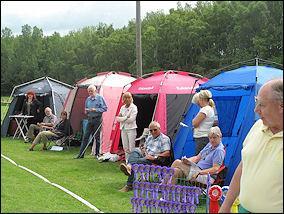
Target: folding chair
62,142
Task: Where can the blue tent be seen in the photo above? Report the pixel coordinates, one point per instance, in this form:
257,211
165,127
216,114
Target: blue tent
233,92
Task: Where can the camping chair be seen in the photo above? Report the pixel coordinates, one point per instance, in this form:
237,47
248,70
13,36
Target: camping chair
61,142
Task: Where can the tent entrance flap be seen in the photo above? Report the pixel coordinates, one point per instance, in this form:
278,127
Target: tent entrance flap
228,106
146,105
176,105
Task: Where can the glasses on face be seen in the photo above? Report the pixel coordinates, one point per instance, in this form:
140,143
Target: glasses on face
153,130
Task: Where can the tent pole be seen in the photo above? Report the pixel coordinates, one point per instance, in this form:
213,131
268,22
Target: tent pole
52,96
256,61
161,84
6,104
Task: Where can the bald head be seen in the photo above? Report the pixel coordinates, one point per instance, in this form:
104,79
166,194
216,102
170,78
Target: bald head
269,104
276,86
47,111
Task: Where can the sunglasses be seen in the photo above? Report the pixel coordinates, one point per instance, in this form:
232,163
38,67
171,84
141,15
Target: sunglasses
153,130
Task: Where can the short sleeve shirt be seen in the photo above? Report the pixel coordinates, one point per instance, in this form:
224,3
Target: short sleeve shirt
211,156
158,145
50,119
203,129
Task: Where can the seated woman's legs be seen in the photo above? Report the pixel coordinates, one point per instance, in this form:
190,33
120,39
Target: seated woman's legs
181,170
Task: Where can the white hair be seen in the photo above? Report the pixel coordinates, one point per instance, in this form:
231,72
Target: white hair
92,87
155,123
215,130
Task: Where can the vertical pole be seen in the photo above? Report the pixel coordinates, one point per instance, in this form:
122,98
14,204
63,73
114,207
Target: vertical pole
256,85
138,41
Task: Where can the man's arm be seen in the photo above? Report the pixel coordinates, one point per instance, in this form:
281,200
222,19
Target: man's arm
163,154
233,192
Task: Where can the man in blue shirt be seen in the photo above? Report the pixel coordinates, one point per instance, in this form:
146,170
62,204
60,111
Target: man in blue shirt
209,160
95,105
157,150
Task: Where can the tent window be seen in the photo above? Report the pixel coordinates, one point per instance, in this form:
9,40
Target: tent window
227,107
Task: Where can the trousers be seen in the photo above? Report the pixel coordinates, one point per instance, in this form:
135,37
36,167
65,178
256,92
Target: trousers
92,126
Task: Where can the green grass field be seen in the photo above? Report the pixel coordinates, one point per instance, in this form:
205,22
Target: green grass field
97,183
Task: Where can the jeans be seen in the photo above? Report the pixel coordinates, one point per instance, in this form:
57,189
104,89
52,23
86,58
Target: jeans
92,126
136,157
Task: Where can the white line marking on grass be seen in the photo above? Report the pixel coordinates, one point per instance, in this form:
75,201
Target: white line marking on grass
56,185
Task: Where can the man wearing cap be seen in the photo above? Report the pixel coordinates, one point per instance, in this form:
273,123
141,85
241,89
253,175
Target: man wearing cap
156,150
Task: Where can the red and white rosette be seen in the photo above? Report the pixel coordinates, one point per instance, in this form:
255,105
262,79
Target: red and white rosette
215,193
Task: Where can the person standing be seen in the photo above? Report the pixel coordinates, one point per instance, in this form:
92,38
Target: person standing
95,105
127,119
204,120
31,107
258,179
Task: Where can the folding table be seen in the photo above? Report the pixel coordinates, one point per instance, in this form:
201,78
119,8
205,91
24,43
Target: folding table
21,121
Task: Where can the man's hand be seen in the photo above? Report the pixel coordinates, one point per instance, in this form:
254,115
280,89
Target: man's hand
150,157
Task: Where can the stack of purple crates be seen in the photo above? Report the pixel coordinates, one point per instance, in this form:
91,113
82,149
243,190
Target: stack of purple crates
154,193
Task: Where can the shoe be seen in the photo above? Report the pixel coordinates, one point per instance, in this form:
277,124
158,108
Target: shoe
78,157
98,156
43,148
125,169
126,188
27,140
30,149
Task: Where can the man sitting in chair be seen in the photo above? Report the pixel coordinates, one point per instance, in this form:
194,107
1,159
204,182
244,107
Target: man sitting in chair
209,160
48,123
156,150
62,129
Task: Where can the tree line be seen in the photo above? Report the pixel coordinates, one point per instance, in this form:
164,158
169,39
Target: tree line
197,39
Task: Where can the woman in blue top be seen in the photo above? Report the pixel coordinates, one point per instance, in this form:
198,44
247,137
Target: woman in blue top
209,160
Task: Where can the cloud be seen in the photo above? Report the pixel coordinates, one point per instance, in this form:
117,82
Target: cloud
64,16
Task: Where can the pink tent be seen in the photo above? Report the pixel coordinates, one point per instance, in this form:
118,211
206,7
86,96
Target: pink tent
162,96
111,86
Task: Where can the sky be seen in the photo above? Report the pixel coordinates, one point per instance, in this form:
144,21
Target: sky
66,16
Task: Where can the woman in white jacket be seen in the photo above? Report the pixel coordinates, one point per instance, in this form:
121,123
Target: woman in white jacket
127,118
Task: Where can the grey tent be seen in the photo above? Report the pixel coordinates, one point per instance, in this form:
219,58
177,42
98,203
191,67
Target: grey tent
49,92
